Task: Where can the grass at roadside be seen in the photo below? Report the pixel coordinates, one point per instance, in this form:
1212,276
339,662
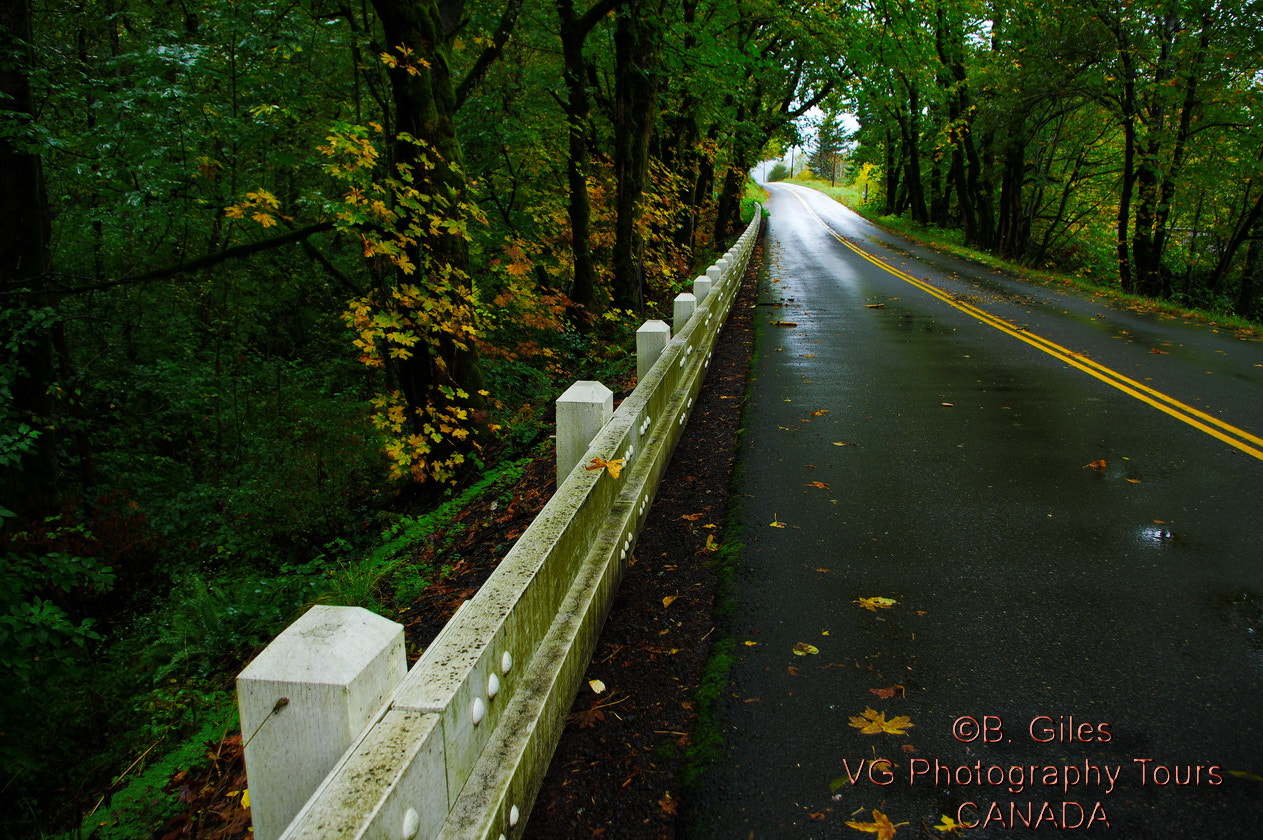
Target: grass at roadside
952,241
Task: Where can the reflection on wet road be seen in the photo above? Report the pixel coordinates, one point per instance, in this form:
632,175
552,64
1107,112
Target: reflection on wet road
1060,500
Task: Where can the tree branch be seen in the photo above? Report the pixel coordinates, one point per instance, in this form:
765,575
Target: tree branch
235,252
489,56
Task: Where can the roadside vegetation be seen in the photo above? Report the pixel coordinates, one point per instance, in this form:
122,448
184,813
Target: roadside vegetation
1097,282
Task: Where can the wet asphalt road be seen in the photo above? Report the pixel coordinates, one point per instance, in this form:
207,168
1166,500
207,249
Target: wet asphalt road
1029,586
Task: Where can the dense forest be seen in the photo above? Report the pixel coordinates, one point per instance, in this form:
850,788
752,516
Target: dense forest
277,278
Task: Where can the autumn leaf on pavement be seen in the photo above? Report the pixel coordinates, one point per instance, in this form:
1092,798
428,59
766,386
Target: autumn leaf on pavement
889,693
820,413
613,467
873,722
871,604
668,805
596,685
804,649
1098,465
669,600
819,485
588,718
947,825
776,523
881,826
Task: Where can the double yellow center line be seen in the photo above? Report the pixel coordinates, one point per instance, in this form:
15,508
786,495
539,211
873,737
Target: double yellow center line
1213,426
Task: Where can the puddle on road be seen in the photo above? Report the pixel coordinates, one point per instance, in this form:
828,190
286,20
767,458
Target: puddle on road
1243,610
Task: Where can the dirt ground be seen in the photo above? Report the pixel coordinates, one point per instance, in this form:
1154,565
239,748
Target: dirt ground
616,770
615,773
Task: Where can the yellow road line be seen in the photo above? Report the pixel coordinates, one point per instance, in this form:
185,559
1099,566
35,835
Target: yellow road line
1213,426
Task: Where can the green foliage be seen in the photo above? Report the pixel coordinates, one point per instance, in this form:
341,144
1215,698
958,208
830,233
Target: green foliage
779,172
37,634
144,801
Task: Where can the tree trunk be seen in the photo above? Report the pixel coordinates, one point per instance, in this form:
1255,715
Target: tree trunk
636,50
574,31
909,126
425,107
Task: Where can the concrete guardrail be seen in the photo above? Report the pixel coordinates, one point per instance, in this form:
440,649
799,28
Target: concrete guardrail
344,742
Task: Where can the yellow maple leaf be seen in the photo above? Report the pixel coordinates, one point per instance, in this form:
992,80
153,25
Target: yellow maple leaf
881,826
947,825
871,604
614,467
804,649
873,722
776,523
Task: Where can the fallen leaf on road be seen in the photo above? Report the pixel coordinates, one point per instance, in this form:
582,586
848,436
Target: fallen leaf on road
711,545
1155,351
820,485
776,523
842,443
822,412
875,306
1098,465
1244,774
871,604
692,517
948,825
1133,481
948,405
804,649
784,323
669,600
890,692
596,685
881,826
749,644
873,722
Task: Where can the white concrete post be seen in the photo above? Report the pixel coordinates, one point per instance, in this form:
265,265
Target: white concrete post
306,697
701,288
581,412
716,274
651,340
723,264
685,306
